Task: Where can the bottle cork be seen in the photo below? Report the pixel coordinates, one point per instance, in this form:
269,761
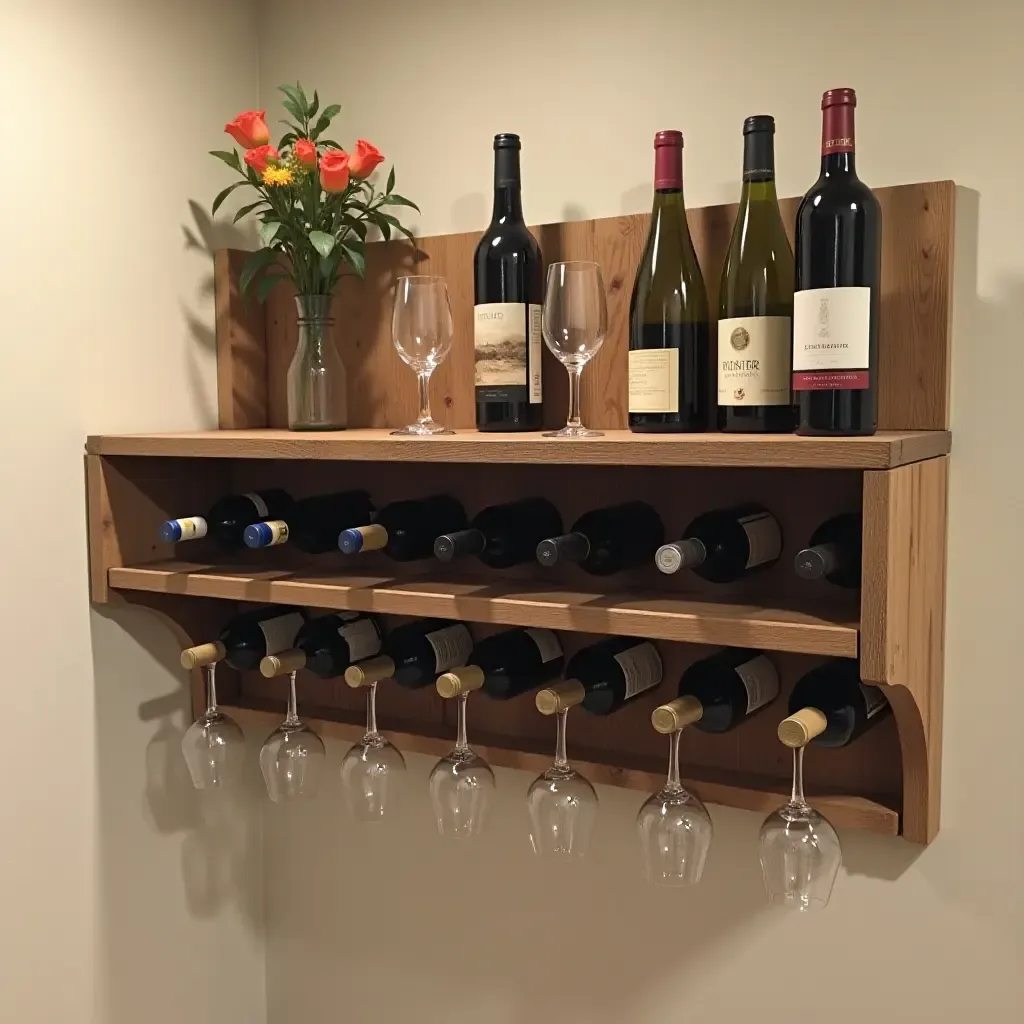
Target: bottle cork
460,681
204,654
677,714
560,697
373,670
798,730
282,663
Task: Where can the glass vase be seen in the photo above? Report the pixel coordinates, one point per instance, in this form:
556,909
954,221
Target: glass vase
317,382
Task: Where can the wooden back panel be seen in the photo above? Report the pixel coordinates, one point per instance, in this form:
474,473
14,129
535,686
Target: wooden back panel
917,255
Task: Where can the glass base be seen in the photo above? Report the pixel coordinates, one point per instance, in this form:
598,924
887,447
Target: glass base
570,431
316,426
422,428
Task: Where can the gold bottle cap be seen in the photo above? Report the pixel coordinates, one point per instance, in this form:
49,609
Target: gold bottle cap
282,663
560,697
798,730
460,680
373,670
204,654
677,714
374,537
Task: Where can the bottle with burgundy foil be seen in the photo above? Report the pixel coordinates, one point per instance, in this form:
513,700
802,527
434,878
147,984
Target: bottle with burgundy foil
838,273
669,359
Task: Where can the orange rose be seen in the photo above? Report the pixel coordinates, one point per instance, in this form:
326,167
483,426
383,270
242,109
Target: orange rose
250,129
261,157
305,152
334,169
365,158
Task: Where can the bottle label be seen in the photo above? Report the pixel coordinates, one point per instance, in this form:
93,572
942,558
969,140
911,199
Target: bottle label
641,666
753,360
654,380
507,342
280,631
763,536
831,331
760,680
261,506
874,699
547,644
452,647
192,529
536,341
362,637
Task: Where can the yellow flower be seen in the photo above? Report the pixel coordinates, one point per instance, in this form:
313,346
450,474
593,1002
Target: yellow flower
278,176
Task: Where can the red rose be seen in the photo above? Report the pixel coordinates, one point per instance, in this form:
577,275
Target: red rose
305,152
261,157
334,169
249,130
364,159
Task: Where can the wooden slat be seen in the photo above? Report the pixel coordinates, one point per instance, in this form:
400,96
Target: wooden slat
616,448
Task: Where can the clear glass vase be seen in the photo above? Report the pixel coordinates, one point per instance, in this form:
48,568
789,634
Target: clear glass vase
317,381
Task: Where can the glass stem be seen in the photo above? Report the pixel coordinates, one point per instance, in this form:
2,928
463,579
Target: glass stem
575,371
672,783
797,797
292,715
371,712
211,689
424,381
461,740
561,761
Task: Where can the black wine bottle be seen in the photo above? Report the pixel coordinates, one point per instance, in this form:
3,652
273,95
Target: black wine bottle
249,637
227,519
669,333
723,545
328,644
607,540
508,292
838,273
503,535
834,552
313,524
730,685
614,671
755,300
513,662
835,691
416,654
405,530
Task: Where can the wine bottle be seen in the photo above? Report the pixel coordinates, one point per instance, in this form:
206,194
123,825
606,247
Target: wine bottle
313,524
607,540
834,552
512,662
728,686
831,706
227,519
755,300
508,291
723,545
248,638
416,653
327,645
614,671
405,530
838,273
669,364
503,535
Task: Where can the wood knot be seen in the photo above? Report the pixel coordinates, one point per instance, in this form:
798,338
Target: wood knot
615,285
447,401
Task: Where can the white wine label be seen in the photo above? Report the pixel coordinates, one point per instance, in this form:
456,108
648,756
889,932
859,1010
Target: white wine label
754,355
261,506
452,647
280,631
536,353
192,529
278,532
641,666
763,536
874,699
654,380
547,643
760,680
500,343
362,637
831,331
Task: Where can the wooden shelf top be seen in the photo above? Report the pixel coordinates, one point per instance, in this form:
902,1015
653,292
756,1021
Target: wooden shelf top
884,450
808,629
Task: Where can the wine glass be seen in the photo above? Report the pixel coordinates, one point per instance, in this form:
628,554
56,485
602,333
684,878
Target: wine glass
373,768
292,758
213,746
561,802
799,850
575,321
421,329
462,782
674,826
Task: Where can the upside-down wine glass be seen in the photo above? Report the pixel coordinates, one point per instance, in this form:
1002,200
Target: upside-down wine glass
213,746
421,330
562,803
674,826
575,321
292,758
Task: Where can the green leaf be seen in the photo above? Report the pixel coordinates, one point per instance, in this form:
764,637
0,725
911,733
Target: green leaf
247,209
268,231
293,108
396,200
303,102
223,194
328,265
391,180
324,120
293,95
231,159
355,259
358,226
331,144
314,106
287,140
322,242
385,227
267,284
260,259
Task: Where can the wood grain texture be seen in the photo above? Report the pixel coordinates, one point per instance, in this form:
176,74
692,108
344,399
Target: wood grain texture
903,622
241,347
616,448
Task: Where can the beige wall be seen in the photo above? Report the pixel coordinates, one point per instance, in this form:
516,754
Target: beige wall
377,926
125,899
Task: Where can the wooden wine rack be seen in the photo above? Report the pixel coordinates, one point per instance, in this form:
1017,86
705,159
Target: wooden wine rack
887,782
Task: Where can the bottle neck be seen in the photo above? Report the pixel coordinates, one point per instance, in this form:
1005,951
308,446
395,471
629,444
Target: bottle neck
508,189
758,168
838,141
